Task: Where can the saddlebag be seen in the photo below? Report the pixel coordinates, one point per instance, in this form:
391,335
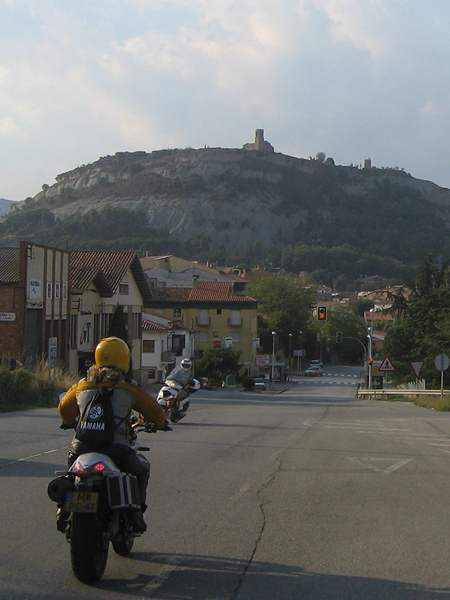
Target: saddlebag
123,491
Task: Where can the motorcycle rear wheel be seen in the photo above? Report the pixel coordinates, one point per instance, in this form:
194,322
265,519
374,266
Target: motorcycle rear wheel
88,547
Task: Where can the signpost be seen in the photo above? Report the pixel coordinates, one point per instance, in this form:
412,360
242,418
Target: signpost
416,366
52,354
442,363
228,342
386,365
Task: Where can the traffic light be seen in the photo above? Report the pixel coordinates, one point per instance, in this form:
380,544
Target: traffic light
339,337
321,313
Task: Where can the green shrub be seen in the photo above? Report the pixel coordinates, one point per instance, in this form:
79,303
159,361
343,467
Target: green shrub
247,383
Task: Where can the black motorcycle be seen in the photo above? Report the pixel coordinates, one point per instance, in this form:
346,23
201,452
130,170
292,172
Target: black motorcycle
100,500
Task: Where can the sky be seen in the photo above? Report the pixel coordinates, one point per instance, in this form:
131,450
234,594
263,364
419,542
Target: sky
350,78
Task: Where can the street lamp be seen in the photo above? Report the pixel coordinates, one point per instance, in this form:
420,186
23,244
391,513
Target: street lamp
290,350
299,358
274,335
369,357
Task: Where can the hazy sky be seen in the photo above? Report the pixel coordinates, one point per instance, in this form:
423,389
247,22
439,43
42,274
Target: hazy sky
350,78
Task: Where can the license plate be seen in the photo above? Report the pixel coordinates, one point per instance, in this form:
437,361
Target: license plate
81,502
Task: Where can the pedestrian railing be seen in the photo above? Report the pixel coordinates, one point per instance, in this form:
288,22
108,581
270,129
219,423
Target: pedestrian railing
401,392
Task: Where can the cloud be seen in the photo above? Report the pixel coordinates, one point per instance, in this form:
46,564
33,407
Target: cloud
351,78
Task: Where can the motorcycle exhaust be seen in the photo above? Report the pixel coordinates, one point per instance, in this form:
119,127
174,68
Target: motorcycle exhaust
58,488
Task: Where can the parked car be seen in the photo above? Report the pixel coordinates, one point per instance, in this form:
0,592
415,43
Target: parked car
314,371
316,362
259,383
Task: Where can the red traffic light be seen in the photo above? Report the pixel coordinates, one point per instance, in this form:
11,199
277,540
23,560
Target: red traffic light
321,313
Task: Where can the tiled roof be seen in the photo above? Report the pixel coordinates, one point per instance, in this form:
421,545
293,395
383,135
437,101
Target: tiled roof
82,277
9,265
205,291
150,326
114,264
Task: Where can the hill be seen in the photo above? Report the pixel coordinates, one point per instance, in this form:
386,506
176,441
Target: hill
5,206
237,205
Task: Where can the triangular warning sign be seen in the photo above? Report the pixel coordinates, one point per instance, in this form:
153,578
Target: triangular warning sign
416,366
386,365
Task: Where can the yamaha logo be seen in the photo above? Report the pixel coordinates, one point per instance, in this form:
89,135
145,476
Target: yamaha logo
95,412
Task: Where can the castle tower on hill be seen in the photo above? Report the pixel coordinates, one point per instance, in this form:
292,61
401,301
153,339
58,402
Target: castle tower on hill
259,144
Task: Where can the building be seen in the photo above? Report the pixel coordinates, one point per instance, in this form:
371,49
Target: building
158,356
208,315
172,271
259,145
99,282
34,303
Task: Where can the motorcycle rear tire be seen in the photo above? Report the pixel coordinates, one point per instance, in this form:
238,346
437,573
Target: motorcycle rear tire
88,547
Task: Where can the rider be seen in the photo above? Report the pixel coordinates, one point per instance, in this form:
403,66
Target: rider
181,374
112,359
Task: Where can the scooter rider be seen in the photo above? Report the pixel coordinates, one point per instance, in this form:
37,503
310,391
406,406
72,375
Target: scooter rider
181,374
112,359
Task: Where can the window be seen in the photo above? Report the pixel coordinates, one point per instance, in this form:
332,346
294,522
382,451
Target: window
73,330
203,316
236,337
178,343
148,346
49,290
203,337
235,318
219,311
124,289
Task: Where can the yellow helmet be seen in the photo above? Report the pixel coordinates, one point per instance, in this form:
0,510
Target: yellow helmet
112,352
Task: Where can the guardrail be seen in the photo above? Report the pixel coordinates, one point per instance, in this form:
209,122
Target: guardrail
364,392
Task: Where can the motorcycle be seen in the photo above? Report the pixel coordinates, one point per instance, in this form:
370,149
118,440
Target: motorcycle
100,500
173,397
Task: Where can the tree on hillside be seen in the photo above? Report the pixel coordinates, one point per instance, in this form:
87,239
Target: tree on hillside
285,305
424,331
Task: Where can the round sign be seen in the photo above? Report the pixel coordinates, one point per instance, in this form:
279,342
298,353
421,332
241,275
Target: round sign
442,362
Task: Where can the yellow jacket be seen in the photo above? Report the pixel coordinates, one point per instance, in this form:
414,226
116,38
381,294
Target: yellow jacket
127,396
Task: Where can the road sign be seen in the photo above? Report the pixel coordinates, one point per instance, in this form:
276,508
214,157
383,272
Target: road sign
228,342
416,366
442,362
52,352
386,365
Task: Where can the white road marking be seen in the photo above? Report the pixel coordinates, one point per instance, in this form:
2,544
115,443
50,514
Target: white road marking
166,570
13,462
244,488
373,463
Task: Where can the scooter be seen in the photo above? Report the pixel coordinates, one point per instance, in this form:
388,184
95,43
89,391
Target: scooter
173,397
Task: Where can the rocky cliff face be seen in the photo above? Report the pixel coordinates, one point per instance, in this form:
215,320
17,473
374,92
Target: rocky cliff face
234,197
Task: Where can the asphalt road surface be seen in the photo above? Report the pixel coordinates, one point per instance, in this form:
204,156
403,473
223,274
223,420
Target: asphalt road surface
304,494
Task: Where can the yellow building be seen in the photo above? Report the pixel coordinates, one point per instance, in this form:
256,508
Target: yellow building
215,317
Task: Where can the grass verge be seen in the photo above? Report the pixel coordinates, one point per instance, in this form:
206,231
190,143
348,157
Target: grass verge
432,402
24,389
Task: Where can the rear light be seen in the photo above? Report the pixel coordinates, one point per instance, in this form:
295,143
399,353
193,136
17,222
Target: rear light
98,467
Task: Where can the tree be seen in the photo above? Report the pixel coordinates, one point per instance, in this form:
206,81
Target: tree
216,361
423,329
118,328
285,304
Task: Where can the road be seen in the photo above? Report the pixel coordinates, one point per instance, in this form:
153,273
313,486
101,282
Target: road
308,493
